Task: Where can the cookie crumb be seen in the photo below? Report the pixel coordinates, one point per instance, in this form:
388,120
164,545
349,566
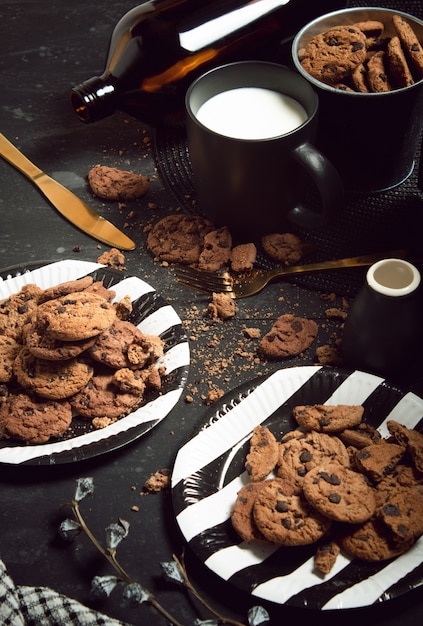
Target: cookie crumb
213,395
157,482
113,258
329,355
252,333
222,306
101,422
334,313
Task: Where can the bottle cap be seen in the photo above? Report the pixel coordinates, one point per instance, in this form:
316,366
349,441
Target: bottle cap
94,99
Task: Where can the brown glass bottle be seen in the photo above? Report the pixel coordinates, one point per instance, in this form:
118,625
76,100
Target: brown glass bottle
159,47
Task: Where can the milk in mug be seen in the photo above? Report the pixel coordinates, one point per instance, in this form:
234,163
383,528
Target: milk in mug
251,113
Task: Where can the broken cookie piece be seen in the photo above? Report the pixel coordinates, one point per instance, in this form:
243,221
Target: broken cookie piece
111,183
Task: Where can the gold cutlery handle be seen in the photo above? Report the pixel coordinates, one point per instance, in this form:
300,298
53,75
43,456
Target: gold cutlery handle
15,157
356,261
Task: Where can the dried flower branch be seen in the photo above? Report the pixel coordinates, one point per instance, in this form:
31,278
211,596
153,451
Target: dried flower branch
133,593
190,587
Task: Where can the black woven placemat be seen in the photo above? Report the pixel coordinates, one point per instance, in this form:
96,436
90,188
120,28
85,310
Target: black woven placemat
366,223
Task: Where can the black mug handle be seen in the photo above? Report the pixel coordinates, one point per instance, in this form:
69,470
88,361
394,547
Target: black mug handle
328,183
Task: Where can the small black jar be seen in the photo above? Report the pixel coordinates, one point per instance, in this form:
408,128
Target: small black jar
383,331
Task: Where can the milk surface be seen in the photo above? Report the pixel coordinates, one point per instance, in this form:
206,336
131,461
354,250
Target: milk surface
251,113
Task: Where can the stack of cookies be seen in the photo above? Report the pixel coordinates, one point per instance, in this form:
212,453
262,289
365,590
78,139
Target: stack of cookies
69,350
359,57
333,482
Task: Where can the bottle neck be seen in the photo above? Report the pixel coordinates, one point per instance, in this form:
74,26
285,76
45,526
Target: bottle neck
95,99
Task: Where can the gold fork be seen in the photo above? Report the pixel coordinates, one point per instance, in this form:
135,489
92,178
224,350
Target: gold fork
241,286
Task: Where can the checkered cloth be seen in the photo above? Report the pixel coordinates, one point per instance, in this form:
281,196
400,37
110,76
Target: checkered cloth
41,606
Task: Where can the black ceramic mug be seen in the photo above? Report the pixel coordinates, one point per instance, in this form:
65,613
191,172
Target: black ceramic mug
372,138
252,179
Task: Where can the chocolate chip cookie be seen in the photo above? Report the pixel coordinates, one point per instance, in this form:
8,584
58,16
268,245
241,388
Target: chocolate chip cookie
263,454
18,310
25,418
409,40
111,183
65,288
326,418
398,65
76,316
216,250
372,541
402,513
178,238
411,438
124,345
285,248
289,336
43,346
301,453
242,512
101,397
54,380
378,459
9,349
331,56
288,520
377,73
339,493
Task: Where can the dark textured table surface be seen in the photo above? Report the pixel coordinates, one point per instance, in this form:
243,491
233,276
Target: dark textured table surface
47,47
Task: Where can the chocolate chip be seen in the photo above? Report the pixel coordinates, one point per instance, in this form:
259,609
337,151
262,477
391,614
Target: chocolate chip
335,498
357,45
286,523
391,509
332,479
363,454
330,69
326,549
332,41
306,456
282,506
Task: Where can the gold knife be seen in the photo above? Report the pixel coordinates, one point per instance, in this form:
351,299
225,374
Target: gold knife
69,205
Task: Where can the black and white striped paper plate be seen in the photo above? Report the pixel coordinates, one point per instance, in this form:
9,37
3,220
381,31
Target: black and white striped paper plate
209,471
153,315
